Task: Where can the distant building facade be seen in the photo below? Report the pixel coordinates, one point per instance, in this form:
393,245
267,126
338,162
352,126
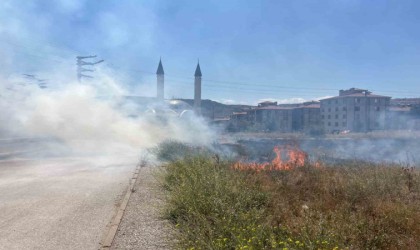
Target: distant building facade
307,118
355,110
404,113
399,118
273,118
270,116
240,121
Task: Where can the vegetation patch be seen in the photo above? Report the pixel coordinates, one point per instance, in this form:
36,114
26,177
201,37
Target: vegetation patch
356,205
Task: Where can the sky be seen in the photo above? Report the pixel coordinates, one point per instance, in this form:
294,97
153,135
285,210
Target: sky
249,51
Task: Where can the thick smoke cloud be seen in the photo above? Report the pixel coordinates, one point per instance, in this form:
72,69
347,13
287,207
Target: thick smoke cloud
44,37
399,149
92,118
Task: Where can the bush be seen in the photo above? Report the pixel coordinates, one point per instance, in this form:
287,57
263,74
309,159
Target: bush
356,206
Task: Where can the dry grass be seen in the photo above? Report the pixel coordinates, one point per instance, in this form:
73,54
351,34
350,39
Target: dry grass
362,206
354,206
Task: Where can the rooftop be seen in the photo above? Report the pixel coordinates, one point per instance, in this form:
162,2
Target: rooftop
400,109
267,102
273,108
239,113
405,101
357,95
311,106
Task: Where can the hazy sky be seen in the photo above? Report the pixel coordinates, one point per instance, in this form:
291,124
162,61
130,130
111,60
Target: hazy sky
248,50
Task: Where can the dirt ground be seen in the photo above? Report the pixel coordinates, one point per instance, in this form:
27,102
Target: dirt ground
142,226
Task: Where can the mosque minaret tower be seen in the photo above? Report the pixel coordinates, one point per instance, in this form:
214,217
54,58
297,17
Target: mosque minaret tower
197,90
160,82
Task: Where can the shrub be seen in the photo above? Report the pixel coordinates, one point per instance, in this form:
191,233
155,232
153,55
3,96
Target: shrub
355,205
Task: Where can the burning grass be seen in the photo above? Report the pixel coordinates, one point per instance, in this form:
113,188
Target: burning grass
217,205
296,158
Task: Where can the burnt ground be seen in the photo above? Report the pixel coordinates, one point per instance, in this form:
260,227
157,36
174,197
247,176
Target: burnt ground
397,150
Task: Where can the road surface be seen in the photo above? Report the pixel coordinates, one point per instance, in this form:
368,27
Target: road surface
49,201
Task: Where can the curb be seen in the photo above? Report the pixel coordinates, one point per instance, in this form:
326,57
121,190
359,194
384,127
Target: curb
106,243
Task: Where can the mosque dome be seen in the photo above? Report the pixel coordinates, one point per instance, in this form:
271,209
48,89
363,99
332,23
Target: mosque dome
178,105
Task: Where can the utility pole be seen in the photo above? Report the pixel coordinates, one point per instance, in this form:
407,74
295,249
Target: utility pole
42,83
81,63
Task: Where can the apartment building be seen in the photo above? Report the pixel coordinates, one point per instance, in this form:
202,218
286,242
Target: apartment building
354,109
307,118
274,118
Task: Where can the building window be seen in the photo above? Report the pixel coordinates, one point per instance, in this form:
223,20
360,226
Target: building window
329,123
329,116
356,100
329,109
336,124
329,101
336,116
336,101
357,108
344,124
336,108
322,116
344,108
377,109
375,100
344,116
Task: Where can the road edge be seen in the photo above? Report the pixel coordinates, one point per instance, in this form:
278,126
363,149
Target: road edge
109,236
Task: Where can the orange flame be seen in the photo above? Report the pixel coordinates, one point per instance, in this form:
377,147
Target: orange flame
296,158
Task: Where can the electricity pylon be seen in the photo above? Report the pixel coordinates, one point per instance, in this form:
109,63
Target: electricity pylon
42,83
81,63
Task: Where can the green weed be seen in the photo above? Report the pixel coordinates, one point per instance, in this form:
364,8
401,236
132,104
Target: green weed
358,205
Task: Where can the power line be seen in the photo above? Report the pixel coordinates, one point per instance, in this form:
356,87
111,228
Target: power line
219,84
242,83
32,54
273,86
234,88
266,89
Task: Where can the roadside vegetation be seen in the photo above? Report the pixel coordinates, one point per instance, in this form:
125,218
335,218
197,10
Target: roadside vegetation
352,205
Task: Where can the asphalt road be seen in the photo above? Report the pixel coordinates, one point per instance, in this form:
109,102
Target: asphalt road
58,202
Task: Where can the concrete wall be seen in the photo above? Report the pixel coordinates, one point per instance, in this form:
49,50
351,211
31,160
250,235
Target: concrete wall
307,120
359,114
275,119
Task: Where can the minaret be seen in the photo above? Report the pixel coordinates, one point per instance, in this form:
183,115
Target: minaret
197,90
160,81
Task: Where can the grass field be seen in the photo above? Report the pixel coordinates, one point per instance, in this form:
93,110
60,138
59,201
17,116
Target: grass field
353,205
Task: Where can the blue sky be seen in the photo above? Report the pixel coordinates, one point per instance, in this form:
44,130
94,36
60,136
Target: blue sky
248,50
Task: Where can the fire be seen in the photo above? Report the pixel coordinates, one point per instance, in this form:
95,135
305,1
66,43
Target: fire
296,158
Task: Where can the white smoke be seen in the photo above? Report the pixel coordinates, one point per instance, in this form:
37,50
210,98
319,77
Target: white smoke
89,118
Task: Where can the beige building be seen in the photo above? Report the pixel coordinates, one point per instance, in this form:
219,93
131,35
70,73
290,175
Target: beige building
307,118
354,109
274,118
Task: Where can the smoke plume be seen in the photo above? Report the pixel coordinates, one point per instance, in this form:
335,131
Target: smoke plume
92,118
